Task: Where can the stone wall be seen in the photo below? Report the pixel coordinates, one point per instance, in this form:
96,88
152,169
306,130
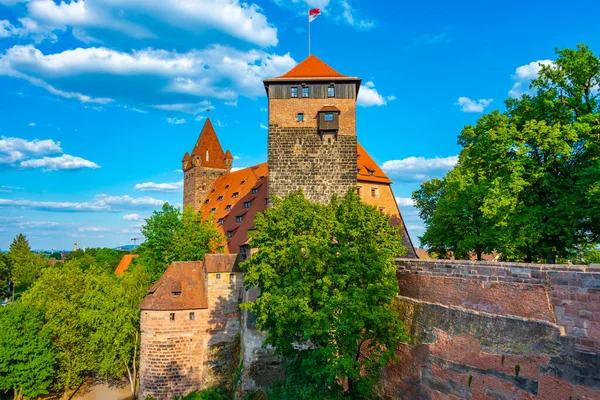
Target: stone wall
181,355
300,159
496,330
197,181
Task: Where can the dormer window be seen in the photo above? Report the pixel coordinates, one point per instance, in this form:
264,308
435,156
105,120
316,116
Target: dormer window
230,234
305,92
221,221
254,190
220,198
226,186
247,204
330,91
235,195
243,182
239,218
329,119
228,207
294,92
212,210
206,201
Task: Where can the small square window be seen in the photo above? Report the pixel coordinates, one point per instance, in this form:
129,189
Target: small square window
221,221
218,276
228,207
305,92
328,116
331,91
254,190
220,198
300,117
192,316
236,194
247,204
239,218
172,316
294,92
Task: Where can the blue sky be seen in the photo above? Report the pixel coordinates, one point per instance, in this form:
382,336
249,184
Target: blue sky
100,99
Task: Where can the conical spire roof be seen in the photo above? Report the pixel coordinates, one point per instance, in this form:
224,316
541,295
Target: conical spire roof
228,155
208,148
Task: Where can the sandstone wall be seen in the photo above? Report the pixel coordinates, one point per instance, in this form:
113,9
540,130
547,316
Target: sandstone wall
300,159
181,355
497,331
197,181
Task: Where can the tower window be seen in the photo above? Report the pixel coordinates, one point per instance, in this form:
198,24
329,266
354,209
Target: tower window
204,173
239,218
221,221
300,117
192,316
305,92
294,92
172,316
206,155
331,91
375,192
328,116
247,204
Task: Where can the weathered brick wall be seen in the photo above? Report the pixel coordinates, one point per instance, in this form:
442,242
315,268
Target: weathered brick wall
197,181
183,355
300,159
496,330
284,113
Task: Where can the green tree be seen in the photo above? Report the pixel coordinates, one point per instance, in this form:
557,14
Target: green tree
26,265
5,274
175,236
60,292
327,277
533,171
26,357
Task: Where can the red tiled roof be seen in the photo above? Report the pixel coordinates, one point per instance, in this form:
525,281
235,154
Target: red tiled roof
221,263
312,67
329,108
208,141
368,170
228,155
124,263
181,287
226,186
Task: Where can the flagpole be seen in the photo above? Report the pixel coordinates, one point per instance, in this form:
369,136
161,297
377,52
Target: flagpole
308,19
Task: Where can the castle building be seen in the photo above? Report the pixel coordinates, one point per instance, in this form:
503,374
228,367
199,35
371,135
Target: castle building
312,145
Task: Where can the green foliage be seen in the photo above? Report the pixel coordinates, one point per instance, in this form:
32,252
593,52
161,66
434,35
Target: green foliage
5,274
327,278
175,236
526,184
206,394
26,357
517,369
25,265
55,256
102,259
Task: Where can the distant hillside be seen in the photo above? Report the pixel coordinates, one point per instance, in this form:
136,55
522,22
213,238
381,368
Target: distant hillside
127,247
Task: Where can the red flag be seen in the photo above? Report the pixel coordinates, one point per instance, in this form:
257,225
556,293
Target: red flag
313,14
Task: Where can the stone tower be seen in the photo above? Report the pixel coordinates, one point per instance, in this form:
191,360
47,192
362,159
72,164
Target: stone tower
203,166
312,131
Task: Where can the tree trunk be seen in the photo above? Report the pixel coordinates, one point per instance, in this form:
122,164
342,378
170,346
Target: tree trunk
479,255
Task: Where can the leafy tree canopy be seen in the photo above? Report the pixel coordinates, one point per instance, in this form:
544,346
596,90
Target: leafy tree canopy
526,184
327,278
25,265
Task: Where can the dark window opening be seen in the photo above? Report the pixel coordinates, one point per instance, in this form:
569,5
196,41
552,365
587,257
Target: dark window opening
192,316
212,210
300,117
247,204
229,234
239,218
221,221
220,198
218,276
243,182
206,201
231,277
228,207
172,316
236,194
254,190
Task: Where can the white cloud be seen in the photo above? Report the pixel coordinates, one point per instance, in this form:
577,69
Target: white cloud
391,98
126,200
37,224
160,21
64,162
237,168
349,15
160,187
524,75
263,126
176,121
9,189
54,205
236,157
405,201
32,124
264,109
14,149
468,105
369,96
231,103
164,78
220,124
7,29
133,217
92,229
419,169
200,118
415,227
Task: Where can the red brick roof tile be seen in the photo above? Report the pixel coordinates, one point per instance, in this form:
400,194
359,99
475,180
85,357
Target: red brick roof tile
221,263
181,287
124,263
368,170
208,141
312,67
228,155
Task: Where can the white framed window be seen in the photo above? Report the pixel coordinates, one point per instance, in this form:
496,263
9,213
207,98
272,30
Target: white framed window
294,92
330,91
